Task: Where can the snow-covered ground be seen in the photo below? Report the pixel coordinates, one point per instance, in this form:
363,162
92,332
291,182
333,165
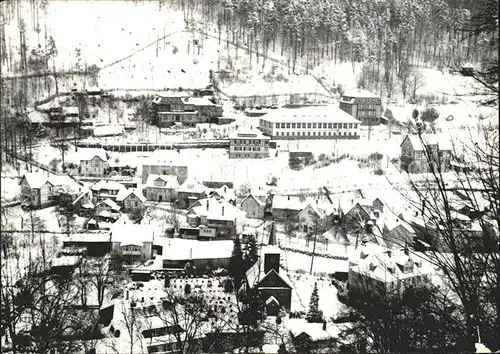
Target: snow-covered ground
303,287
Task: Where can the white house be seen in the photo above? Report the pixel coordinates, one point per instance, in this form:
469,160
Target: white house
93,162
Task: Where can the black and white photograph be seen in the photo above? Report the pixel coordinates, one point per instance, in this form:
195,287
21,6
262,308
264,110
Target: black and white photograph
249,176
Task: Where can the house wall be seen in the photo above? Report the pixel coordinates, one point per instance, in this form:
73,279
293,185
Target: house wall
252,208
167,119
198,263
46,195
180,171
154,194
132,203
248,148
285,214
307,220
93,168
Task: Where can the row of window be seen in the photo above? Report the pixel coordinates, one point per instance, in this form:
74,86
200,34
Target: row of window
316,125
237,155
248,142
314,134
244,148
94,163
367,113
367,106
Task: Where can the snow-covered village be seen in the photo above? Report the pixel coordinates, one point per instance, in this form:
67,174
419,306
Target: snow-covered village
249,176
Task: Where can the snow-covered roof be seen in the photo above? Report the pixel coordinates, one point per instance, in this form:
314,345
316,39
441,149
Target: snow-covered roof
429,139
216,209
181,249
314,331
87,154
170,181
131,234
313,114
248,133
284,202
201,101
122,160
107,130
250,196
70,110
125,193
191,185
111,204
386,264
38,179
108,185
360,94
224,192
89,237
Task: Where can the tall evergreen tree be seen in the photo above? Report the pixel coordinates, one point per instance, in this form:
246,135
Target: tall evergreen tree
236,267
314,314
252,251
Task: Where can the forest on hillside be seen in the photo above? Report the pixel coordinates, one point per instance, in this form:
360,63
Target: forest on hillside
390,37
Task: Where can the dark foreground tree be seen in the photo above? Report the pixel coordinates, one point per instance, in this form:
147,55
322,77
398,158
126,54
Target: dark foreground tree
314,314
236,267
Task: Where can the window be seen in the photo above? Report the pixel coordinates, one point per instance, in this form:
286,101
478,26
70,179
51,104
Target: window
334,125
309,125
329,125
324,125
309,133
345,125
282,125
293,125
136,203
287,133
314,125
287,125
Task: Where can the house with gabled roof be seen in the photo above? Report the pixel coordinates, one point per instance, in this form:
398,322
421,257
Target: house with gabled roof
363,210
93,162
419,153
189,192
40,190
315,216
254,206
132,200
215,219
161,188
270,279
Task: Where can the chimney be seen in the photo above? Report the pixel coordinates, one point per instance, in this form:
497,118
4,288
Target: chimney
225,189
208,203
324,325
271,261
288,197
222,211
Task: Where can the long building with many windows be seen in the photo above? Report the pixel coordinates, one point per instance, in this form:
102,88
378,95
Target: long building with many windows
314,122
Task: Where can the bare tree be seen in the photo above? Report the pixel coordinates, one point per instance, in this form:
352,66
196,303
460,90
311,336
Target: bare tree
467,257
